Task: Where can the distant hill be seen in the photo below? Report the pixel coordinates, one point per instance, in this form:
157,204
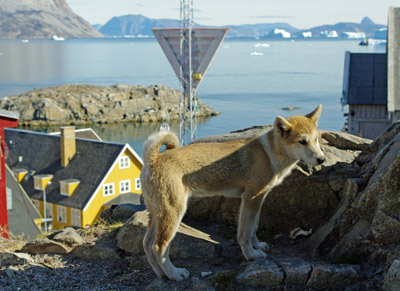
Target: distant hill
139,25
367,26
135,25
42,19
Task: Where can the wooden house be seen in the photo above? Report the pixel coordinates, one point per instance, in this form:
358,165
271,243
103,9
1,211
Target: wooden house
371,86
73,179
365,93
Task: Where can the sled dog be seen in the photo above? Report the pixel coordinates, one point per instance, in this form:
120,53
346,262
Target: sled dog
246,168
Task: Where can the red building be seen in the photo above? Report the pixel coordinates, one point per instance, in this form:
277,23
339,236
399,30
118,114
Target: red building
7,119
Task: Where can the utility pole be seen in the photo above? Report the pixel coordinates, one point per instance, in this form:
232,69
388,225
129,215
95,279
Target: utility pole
187,101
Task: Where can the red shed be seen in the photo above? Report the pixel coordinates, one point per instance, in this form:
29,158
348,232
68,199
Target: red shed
7,119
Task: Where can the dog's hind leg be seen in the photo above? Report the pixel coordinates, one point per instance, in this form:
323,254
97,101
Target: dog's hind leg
148,243
169,220
249,213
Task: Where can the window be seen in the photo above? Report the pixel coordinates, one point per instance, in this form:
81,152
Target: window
108,189
124,186
64,189
9,198
61,214
138,186
49,210
124,162
75,217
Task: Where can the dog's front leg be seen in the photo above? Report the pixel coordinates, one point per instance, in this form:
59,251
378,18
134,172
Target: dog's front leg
248,219
256,243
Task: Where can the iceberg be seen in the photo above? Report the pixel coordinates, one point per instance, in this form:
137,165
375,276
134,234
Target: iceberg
283,33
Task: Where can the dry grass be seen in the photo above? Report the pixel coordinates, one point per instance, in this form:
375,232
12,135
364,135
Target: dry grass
15,242
100,228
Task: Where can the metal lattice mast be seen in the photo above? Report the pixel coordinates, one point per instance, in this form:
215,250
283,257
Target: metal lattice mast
187,101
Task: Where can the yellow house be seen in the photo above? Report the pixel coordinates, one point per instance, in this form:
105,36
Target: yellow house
75,179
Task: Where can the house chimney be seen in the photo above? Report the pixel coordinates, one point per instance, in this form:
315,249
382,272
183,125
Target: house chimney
67,144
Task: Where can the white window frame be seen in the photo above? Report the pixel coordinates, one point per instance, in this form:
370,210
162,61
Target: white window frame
108,189
76,219
124,162
124,186
64,189
138,184
61,214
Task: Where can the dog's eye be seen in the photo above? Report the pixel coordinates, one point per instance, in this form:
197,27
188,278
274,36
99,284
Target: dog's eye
303,142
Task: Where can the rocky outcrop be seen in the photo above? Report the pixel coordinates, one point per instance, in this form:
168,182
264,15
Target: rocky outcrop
42,19
366,224
88,104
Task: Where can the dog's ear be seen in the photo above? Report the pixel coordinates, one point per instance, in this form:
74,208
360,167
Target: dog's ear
282,126
314,116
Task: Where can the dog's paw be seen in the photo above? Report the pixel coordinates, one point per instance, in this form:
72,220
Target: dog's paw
179,274
262,246
255,255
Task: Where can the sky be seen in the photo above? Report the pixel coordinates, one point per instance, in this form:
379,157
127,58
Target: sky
301,14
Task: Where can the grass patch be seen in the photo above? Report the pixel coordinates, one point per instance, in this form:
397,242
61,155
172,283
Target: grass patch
100,228
15,242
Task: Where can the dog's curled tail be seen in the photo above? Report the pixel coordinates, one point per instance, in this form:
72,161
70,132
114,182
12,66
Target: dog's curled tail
155,141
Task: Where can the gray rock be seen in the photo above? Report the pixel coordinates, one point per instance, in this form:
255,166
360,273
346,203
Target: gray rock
45,246
366,223
193,283
345,141
130,236
121,212
297,271
7,259
333,276
188,243
261,273
392,277
68,236
96,251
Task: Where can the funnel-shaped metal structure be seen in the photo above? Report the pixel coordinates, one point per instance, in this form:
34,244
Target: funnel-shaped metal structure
190,52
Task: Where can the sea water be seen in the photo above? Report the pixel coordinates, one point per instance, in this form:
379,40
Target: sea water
249,82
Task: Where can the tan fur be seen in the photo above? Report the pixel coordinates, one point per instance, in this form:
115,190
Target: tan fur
240,168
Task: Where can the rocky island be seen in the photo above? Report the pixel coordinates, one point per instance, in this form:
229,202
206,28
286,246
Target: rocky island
89,104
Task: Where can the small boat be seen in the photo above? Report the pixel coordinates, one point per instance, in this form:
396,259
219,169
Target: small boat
371,41
56,38
25,40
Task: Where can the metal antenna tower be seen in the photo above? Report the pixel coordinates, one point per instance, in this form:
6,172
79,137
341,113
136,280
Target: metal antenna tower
187,100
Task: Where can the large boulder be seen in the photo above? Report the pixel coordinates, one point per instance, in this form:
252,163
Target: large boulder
366,224
306,199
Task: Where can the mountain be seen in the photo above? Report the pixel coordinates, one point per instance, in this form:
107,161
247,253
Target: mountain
257,30
42,19
135,25
366,25
139,25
